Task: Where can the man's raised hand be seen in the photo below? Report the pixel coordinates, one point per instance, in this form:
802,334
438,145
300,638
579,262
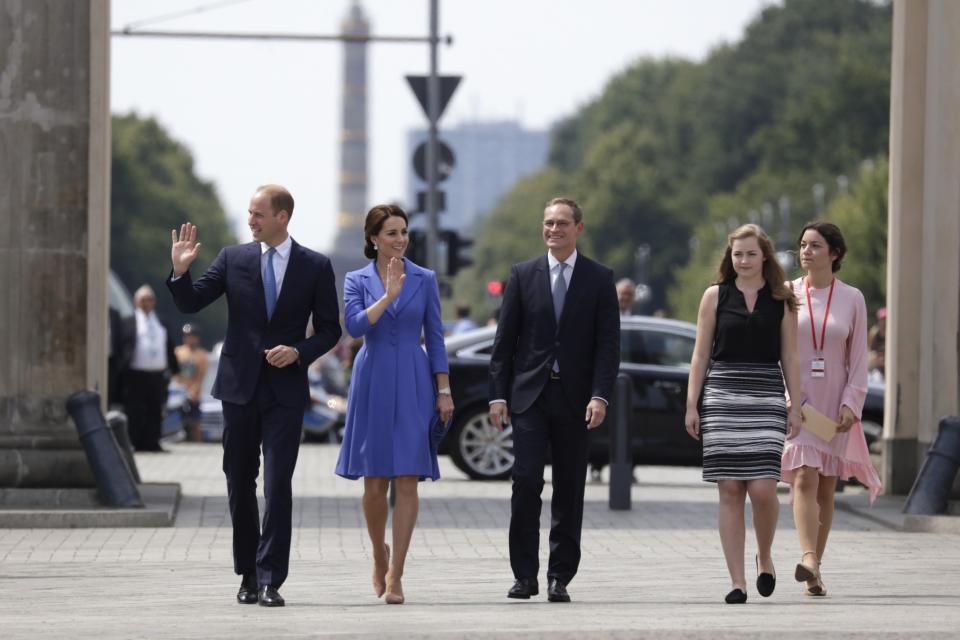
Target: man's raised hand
185,248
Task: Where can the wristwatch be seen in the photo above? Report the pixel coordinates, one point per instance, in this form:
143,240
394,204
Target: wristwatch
444,392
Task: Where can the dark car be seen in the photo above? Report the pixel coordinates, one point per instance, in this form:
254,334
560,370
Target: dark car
654,352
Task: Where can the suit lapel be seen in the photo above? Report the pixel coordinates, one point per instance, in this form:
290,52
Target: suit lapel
541,276
410,286
574,290
371,281
254,257
291,274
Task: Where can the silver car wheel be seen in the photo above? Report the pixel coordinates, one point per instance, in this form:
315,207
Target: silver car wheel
484,448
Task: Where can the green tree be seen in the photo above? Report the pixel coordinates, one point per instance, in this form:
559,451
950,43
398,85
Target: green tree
155,189
862,217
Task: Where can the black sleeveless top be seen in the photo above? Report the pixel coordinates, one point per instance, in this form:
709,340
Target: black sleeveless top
741,336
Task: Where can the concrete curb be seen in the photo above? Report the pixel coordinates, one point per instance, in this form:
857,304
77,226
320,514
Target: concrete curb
73,509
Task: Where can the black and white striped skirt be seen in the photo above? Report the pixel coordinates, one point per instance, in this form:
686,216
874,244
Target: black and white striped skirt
743,421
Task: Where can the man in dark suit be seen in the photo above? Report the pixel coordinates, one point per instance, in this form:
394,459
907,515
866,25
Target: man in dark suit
552,370
273,286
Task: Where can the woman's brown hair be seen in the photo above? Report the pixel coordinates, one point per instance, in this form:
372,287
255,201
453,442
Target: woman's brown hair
374,224
773,273
831,233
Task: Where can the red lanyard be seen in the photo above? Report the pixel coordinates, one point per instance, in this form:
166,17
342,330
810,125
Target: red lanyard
826,314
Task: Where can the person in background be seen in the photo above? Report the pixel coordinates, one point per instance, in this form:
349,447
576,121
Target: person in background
194,362
746,347
832,350
151,364
626,296
463,323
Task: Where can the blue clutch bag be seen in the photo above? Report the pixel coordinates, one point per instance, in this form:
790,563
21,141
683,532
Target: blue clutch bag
438,429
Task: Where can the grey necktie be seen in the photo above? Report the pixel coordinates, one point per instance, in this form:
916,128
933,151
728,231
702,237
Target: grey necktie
559,292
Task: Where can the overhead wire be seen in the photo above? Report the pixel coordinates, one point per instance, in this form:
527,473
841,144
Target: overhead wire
211,6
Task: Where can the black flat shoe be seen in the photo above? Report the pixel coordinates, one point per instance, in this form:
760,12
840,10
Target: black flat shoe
248,589
270,597
766,582
523,588
737,596
557,591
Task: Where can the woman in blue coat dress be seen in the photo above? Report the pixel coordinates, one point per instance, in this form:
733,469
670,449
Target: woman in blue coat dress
396,390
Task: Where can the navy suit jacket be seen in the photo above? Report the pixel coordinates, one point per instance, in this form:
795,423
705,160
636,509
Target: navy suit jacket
585,342
308,288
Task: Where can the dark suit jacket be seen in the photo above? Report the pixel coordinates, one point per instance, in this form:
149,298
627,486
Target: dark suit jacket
586,343
308,288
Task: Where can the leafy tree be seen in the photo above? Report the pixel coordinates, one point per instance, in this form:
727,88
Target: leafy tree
154,190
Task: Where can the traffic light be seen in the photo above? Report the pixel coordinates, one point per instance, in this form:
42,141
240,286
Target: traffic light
457,257
417,247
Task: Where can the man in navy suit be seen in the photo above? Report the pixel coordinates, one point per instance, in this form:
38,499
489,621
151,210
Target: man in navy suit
554,362
273,287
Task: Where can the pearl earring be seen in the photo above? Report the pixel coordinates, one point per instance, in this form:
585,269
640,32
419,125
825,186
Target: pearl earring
375,247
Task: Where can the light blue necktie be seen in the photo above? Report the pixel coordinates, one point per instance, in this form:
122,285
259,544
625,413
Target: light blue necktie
270,284
559,292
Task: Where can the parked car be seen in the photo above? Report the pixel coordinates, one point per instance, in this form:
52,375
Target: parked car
322,420
654,352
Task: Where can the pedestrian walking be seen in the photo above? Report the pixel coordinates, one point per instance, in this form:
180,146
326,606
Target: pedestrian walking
745,348
554,362
398,394
832,351
273,287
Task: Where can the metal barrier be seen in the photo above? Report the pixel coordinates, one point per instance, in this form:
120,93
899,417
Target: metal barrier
115,484
931,489
117,421
621,455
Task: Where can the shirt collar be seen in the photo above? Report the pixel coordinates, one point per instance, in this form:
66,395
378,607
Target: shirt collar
283,249
570,261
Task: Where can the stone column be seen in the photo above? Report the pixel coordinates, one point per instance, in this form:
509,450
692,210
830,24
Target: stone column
54,209
923,278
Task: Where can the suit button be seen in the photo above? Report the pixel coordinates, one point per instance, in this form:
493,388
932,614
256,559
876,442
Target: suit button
557,343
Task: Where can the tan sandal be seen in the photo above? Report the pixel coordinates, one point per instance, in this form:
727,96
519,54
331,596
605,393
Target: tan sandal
803,573
818,589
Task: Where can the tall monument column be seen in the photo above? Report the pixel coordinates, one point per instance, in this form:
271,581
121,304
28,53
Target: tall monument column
923,272
348,245
54,209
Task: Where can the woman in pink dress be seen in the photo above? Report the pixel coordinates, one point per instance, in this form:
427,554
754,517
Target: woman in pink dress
832,349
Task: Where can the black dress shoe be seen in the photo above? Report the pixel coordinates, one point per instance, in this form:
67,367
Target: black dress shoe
557,591
248,589
523,588
270,597
737,596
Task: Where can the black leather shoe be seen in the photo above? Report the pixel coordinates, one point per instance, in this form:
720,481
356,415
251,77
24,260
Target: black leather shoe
248,589
523,588
737,596
270,597
557,591
766,582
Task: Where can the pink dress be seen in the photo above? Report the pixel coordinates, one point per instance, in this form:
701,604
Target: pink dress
845,383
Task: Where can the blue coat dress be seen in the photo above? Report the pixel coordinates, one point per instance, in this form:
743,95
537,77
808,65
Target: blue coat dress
392,399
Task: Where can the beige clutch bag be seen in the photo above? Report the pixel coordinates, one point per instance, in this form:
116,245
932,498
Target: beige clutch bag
817,423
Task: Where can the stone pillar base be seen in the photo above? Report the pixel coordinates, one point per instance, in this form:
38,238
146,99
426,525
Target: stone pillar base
44,468
902,459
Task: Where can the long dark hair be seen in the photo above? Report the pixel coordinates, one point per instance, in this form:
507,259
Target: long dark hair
773,273
374,224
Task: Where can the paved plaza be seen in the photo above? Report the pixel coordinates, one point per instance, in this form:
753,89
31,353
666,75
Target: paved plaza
656,571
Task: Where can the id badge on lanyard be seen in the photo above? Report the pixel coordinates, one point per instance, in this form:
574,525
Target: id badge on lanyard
818,366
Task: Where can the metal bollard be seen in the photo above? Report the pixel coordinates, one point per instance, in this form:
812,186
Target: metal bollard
931,489
621,455
115,484
117,421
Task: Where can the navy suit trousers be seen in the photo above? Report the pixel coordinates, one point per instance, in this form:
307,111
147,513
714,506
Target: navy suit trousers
549,422
277,428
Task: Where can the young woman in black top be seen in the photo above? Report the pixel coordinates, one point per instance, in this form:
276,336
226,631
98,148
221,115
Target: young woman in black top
746,347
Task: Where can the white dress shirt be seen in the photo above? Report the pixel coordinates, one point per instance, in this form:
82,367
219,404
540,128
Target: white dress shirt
150,350
554,264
